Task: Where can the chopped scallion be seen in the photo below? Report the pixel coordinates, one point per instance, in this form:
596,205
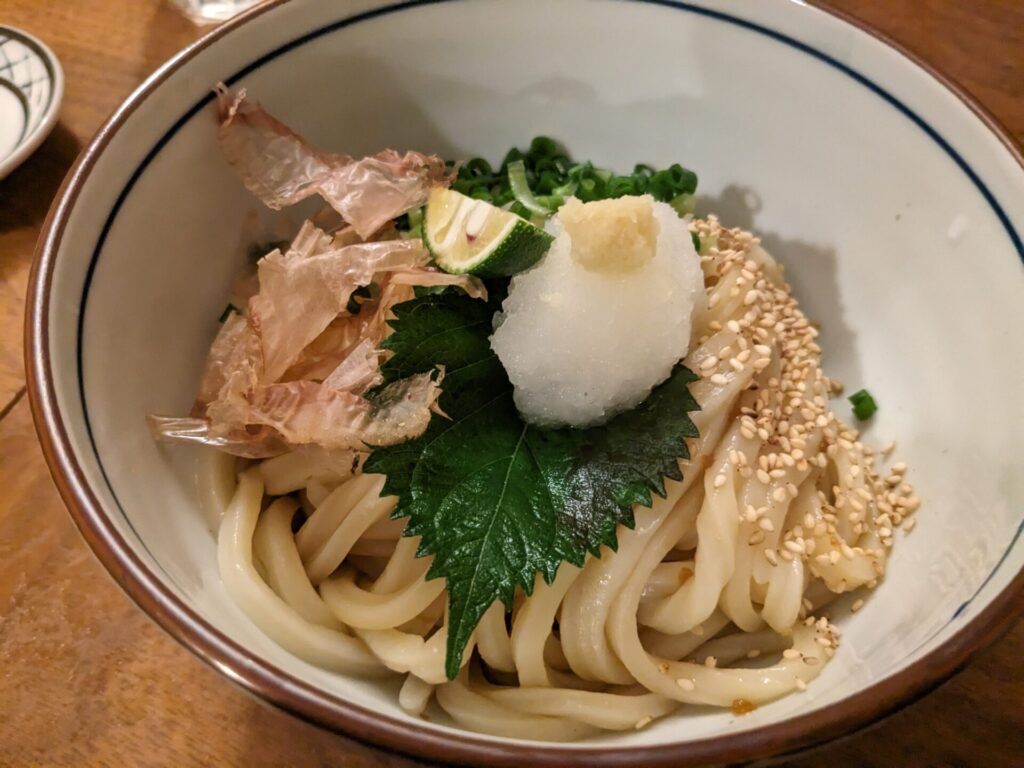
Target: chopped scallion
864,405
521,189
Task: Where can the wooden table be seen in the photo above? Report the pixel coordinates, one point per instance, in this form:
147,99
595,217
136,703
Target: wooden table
87,679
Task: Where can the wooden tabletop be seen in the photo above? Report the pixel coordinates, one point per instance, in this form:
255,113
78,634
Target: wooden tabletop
87,679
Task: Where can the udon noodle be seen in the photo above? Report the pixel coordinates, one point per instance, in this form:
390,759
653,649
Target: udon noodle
715,597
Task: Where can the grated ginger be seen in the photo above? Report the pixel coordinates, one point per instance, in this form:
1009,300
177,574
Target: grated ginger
611,236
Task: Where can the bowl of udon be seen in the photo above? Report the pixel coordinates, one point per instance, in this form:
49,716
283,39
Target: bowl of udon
578,383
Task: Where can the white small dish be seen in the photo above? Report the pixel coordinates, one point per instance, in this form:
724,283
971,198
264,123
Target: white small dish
31,90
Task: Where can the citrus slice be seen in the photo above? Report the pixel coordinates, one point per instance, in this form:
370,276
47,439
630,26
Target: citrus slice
468,236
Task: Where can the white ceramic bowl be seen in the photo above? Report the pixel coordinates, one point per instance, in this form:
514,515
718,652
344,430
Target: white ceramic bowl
31,89
896,204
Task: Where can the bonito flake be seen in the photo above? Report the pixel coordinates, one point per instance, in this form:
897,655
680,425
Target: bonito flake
281,168
296,368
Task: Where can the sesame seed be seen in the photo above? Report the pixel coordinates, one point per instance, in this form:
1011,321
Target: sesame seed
698,630
899,468
909,524
709,363
719,480
857,605
756,538
771,557
824,642
801,685
643,722
686,685
710,662
736,365
888,448
719,379
713,301
794,547
765,524
779,494
791,653
733,326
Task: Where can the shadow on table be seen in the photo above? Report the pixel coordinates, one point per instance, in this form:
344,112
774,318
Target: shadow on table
26,194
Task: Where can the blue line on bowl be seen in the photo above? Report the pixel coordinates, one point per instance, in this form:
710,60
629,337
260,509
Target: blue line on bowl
16,92
1015,238
1002,559
44,58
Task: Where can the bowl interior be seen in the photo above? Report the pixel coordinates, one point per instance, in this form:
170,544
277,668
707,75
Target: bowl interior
893,208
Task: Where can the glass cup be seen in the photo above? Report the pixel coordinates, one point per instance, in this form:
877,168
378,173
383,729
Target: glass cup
212,11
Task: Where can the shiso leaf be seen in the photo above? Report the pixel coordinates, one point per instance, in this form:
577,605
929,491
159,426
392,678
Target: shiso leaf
496,500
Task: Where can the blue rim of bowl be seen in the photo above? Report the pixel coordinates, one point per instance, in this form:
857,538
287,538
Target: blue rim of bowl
310,703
